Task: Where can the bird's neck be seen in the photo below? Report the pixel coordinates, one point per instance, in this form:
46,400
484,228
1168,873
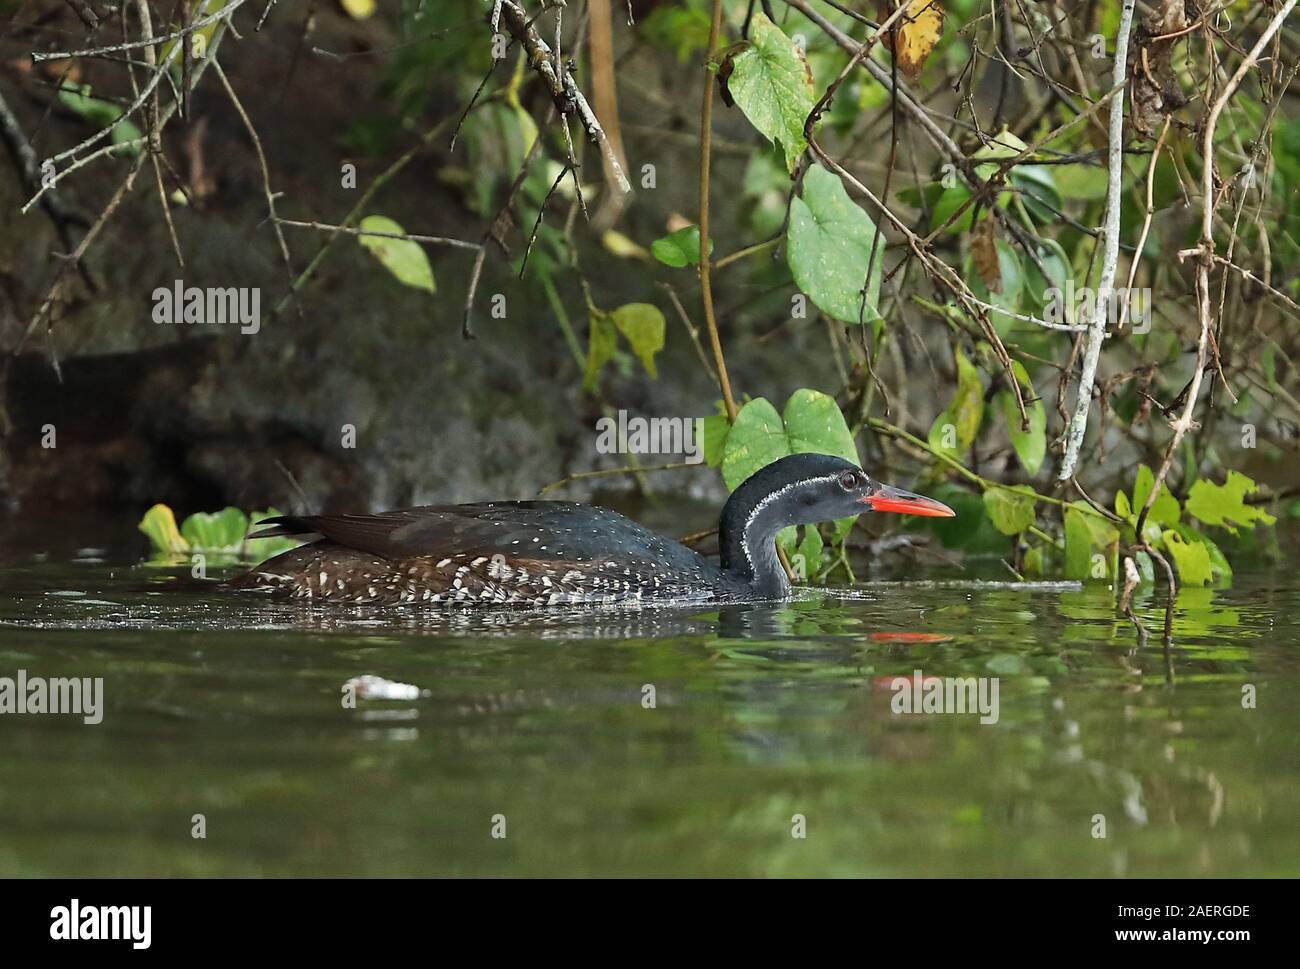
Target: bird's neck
747,540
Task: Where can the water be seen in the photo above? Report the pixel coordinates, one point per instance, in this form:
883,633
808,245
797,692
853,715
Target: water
231,708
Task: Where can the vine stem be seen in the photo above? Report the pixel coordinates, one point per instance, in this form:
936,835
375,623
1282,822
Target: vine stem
706,290
753,250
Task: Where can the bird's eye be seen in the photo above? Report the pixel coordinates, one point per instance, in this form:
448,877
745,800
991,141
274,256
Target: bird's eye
850,480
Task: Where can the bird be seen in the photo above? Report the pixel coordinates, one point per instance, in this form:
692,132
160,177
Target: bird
564,553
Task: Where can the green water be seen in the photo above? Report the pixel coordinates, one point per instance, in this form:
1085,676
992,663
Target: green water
232,708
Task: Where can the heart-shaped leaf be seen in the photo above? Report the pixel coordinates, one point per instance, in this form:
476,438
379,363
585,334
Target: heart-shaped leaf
830,249
770,82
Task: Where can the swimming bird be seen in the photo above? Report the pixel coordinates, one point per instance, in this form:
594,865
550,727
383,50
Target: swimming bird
550,553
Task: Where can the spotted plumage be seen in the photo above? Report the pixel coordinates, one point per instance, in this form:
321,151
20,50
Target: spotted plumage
557,553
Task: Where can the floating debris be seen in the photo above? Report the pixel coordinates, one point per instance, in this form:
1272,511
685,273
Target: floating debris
370,687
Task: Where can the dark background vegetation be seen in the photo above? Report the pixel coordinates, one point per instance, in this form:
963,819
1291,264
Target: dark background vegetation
199,420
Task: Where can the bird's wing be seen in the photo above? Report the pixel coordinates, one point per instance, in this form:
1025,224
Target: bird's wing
526,529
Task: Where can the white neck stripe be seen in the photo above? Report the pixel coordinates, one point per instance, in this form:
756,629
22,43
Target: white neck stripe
768,499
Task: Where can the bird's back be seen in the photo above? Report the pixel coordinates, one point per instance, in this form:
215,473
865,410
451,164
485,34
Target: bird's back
508,552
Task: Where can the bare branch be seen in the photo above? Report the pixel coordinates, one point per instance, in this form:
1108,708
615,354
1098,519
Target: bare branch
1110,258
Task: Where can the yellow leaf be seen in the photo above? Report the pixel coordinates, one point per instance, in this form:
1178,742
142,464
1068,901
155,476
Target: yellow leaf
160,525
621,245
358,9
917,31
197,42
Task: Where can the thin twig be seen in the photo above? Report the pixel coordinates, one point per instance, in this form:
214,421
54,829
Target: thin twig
706,288
226,10
408,236
1096,313
155,137
564,91
1205,257
261,162
607,472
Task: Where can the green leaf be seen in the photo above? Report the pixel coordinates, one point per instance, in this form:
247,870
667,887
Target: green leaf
1011,285
1005,144
1057,264
806,556
963,414
1224,505
950,200
159,523
1082,181
1268,363
1122,507
642,325
1086,536
1191,559
221,532
1165,510
716,429
771,83
406,260
124,133
1036,562
1078,546
680,248
812,422
830,242
216,531
1100,531
1011,511
77,98
757,439
1037,187
498,137
1219,567
602,341
1030,445
970,530
681,29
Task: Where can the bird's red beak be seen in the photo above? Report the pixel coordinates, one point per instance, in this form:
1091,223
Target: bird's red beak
906,503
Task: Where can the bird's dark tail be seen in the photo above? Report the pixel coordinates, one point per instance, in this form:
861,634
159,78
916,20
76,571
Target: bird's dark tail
283,525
